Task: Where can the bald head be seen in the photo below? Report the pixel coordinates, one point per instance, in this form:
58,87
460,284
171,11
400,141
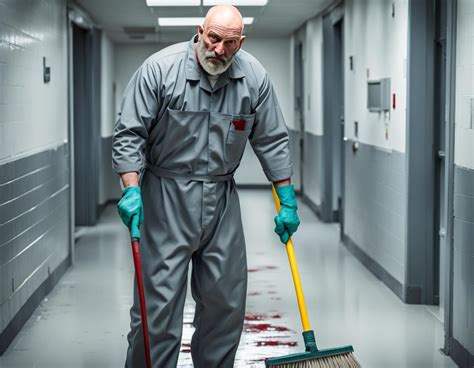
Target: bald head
220,38
224,17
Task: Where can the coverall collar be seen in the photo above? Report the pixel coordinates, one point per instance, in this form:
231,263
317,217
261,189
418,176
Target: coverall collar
196,73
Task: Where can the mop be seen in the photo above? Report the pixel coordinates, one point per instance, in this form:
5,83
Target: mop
340,357
141,294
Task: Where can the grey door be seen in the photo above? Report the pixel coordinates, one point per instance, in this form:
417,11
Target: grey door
339,169
333,113
440,126
299,106
86,107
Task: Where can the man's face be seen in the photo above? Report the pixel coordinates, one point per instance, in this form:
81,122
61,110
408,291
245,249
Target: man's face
217,47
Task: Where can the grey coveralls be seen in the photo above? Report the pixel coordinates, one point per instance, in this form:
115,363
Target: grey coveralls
188,138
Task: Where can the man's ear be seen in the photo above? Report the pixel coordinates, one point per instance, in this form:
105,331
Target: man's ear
200,31
242,39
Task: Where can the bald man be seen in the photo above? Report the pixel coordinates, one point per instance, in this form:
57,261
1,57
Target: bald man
186,116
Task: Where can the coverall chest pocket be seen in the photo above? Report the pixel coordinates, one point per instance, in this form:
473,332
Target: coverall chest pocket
239,130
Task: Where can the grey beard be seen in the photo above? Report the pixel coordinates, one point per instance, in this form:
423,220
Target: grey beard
209,67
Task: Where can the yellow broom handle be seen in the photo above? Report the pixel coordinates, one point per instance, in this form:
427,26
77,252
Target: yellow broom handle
295,273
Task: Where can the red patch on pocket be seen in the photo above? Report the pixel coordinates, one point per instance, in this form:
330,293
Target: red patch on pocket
239,124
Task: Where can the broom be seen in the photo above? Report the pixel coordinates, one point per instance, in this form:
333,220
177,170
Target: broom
341,357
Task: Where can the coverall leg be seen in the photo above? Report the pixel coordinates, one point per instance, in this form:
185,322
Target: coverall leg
184,221
219,287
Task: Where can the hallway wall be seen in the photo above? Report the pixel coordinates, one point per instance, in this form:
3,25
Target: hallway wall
463,282
314,130
310,36
34,158
109,182
375,190
273,53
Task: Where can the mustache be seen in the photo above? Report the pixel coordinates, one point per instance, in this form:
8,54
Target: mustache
212,54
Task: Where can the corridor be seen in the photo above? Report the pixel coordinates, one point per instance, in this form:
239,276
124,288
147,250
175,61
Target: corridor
360,112
83,322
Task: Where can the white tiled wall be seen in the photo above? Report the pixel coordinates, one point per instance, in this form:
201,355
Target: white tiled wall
464,118
33,115
378,44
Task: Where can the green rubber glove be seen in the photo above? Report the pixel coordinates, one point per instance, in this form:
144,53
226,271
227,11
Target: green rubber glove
130,209
287,221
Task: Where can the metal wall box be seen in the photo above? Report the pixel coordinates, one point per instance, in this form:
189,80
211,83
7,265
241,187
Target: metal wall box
378,95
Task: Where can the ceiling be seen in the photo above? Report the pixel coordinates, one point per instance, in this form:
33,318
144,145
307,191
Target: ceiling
132,21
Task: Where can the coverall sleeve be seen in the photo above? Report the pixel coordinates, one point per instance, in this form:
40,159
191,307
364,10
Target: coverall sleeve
269,137
139,109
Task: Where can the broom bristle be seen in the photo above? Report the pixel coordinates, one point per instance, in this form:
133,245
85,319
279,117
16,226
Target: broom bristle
336,361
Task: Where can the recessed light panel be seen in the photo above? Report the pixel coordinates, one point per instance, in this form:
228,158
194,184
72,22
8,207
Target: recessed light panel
189,21
235,2
173,2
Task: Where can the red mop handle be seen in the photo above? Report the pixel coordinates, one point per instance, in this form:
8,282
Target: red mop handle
141,294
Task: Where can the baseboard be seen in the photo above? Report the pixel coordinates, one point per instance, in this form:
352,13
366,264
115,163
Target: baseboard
375,268
105,204
461,356
312,206
25,312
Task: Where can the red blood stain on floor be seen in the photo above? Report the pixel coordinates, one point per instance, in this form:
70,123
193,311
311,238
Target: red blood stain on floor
262,317
261,268
253,294
275,343
263,327
186,348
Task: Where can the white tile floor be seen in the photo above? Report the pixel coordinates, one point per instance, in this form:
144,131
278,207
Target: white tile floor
84,321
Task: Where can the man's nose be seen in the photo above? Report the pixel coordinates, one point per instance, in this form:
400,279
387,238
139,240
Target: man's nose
219,50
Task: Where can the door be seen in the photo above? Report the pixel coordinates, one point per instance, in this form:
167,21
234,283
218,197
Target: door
333,115
339,169
299,106
86,124
439,146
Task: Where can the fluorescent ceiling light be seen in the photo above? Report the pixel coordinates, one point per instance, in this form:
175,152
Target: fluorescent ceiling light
164,22
173,2
235,2
180,22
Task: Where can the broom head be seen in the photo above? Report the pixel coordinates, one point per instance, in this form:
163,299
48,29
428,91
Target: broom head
341,357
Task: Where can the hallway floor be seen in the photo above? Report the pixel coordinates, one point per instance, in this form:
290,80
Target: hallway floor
84,321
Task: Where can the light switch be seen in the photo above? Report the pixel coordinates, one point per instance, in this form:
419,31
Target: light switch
46,72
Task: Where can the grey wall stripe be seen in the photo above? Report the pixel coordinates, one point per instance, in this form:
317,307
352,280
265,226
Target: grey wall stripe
463,276
34,234
13,328
375,210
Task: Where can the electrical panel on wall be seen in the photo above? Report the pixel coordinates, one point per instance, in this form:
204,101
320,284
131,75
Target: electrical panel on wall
378,95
